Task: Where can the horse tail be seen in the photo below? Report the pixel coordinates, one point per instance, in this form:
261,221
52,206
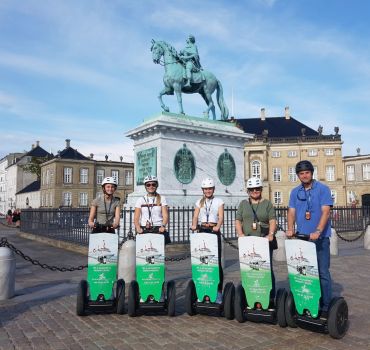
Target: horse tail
221,102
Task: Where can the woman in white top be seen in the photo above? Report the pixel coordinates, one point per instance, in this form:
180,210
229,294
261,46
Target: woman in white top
209,216
151,212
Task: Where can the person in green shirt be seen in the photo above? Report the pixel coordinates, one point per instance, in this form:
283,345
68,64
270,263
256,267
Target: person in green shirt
256,217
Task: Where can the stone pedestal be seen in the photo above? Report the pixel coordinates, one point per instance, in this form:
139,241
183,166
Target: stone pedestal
182,150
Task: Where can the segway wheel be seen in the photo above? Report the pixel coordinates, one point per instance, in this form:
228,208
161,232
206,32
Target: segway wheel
120,296
338,318
240,303
190,299
290,311
281,296
171,298
81,298
229,296
133,299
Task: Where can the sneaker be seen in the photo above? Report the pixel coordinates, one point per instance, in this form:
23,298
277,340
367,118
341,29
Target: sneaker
324,315
271,306
219,298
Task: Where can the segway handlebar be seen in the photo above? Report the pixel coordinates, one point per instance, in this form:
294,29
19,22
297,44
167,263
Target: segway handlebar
302,236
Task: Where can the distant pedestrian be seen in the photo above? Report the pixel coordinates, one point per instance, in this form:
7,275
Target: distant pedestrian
17,218
9,217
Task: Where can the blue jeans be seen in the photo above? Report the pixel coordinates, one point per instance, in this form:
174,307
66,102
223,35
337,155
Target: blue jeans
323,260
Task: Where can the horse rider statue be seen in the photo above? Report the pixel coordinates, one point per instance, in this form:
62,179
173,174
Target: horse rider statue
189,55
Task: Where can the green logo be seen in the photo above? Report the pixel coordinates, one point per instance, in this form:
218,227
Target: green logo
226,168
146,164
184,165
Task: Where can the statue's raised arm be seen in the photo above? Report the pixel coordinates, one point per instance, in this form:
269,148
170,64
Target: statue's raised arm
184,73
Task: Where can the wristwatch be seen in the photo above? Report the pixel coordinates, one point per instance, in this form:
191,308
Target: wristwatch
318,231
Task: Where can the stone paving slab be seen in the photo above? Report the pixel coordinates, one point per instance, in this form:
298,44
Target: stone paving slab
42,314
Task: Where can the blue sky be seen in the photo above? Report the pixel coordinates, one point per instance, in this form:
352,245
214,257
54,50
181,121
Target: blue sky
83,70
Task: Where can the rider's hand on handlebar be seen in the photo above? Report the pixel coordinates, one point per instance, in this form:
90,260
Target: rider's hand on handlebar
193,228
289,233
314,236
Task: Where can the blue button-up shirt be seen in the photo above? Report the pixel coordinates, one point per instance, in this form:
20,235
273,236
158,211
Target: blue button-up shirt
311,200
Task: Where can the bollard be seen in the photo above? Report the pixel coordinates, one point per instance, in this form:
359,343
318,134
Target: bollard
7,273
367,238
127,261
333,242
279,254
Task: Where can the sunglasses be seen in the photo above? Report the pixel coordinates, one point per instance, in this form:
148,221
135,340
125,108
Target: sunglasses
151,185
255,189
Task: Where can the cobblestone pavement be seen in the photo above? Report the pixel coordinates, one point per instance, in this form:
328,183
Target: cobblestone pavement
42,314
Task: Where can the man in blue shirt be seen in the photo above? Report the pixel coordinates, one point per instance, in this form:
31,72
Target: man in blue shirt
309,208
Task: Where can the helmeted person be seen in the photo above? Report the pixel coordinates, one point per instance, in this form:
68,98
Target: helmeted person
190,57
309,208
256,217
151,210
105,211
208,217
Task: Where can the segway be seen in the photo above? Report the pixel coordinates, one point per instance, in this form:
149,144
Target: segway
252,297
302,303
101,291
202,290
150,292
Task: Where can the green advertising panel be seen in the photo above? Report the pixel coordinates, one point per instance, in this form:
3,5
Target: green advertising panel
184,165
146,164
204,264
102,264
255,269
150,269
226,169
303,275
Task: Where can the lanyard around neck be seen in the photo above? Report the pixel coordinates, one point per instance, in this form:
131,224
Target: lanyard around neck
105,207
208,209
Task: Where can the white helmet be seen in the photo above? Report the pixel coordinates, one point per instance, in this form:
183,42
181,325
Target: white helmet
208,183
109,180
150,178
254,182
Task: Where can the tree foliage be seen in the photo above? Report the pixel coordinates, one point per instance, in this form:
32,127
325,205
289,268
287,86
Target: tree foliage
34,166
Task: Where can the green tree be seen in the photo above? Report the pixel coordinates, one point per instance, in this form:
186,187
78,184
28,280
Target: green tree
34,166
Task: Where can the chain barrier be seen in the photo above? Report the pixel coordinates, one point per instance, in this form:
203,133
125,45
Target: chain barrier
353,239
4,243
231,244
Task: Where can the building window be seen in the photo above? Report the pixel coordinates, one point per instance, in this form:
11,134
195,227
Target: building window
292,174
315,174
334,196
84,175
99,176
276,154
43,178
51,199
366,171
67,199
329,151
83,199
48,177
330,173
351,197
67,175
292,154
278,200
276,174
312,152
350,172
256,169
129,177
115,175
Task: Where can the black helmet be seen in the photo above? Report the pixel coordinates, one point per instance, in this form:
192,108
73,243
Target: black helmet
304,165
